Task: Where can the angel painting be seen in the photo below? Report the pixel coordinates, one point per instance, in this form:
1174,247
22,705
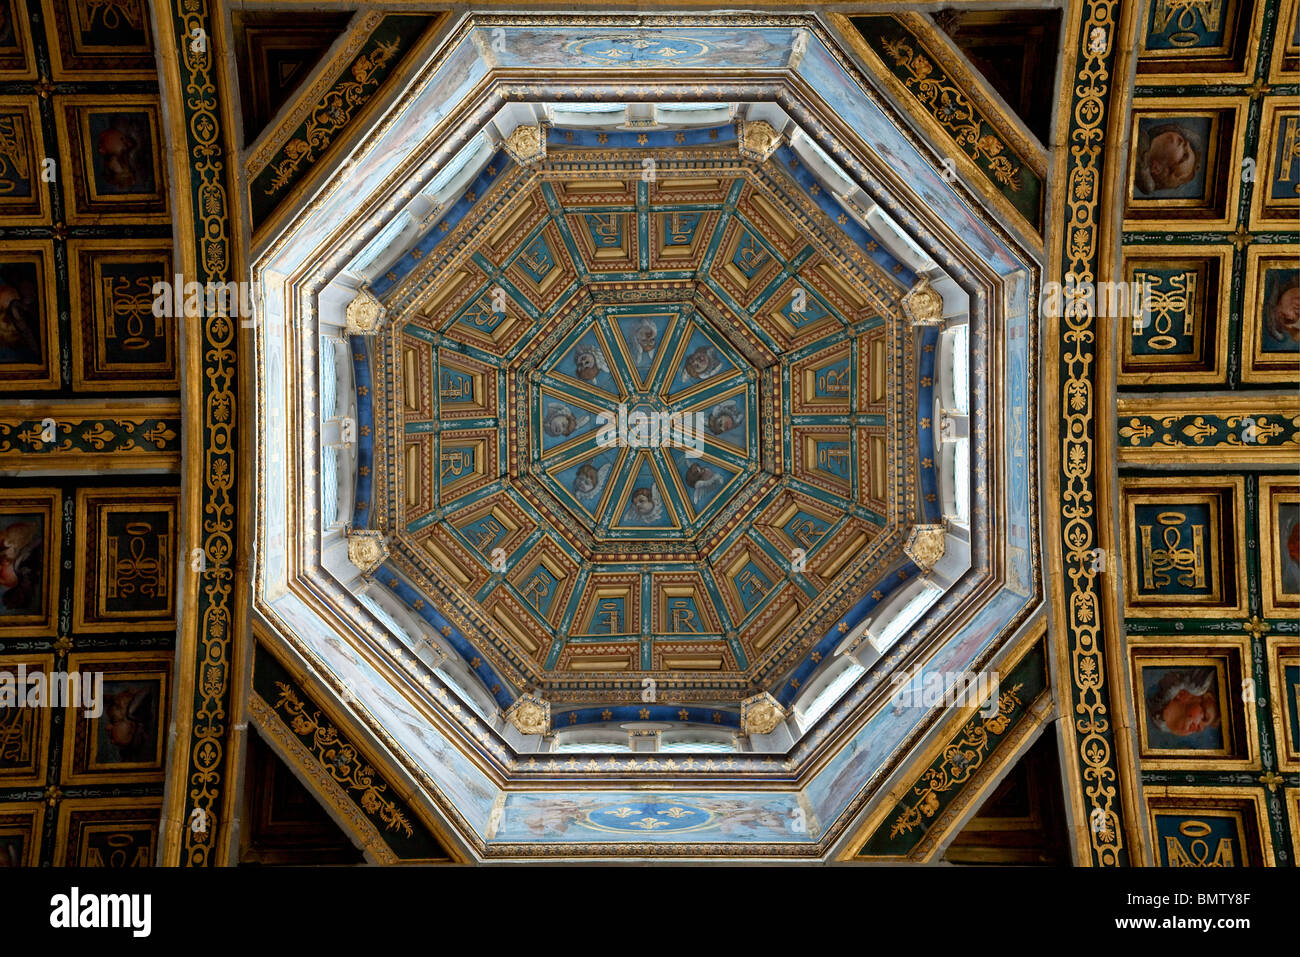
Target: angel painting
127,732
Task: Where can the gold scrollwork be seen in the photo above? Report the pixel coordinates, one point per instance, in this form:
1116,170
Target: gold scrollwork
1083,188
341,760
954,112
332,114
961,759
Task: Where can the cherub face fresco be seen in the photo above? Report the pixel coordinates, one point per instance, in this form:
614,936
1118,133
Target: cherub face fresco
1185,702
1282,312
723,418
643,502
701,362
585,366
646,337
560,420
698,473
1168,156
586,479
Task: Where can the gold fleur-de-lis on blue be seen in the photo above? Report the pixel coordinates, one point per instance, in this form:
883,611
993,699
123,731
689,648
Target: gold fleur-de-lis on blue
623,812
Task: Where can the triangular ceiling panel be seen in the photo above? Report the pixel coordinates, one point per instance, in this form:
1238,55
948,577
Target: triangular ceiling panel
275,52
1016,51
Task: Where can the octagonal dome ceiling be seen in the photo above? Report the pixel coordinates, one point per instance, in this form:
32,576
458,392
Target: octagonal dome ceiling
645,422
643,407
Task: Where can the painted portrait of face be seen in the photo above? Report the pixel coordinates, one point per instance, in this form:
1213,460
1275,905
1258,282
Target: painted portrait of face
702,363
1281,313
123,153
647,338
1183,707
20,314
1170,158
1288,525
22,564
560,421
643,502
723,418
586,365
127,731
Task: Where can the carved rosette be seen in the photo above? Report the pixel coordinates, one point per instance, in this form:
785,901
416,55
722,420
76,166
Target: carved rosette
925,545
530,714
758,140
365,315
923,304
367,549
526,145
760,714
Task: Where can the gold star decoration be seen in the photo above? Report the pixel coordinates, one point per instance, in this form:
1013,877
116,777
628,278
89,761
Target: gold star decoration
573,717
446,631
606,715
475,662
683,714
794,683
816,656
644,713
843,627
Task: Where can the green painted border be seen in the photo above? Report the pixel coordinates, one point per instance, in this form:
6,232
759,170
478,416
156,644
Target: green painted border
383,51
942,99
374,795
973,746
